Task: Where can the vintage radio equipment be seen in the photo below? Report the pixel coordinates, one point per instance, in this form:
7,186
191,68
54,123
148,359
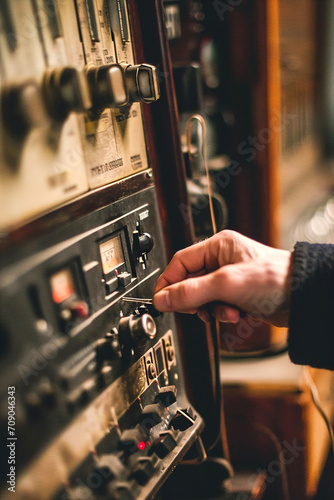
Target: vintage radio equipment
93,399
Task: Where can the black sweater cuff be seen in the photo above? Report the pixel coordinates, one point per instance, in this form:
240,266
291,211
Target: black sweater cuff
311,335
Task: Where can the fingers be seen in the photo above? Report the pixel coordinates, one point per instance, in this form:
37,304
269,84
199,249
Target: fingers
238,273
185,296
222,313
189,261
231,284
192,293
203,314
226,314
201,258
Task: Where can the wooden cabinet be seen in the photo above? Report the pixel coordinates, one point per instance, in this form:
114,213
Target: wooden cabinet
273,425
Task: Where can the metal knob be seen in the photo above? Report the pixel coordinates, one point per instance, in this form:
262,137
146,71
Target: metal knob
22,107
142,83
137,329
22,110
107,86
66,90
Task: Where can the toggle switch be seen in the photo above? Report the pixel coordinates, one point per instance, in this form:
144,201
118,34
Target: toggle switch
132,440
151,416
183,419
166,395
124,279
144,469
107,86
109,467
142,245
66,90
142,83
108,348
77,309
164,444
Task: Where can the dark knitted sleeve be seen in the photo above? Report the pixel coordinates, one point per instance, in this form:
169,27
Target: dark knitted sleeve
311,325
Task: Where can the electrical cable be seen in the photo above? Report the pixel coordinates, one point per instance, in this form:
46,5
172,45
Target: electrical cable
214,328
200,119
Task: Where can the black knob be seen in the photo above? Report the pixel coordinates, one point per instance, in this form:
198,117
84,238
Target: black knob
145,243
107,348
137,329
142,244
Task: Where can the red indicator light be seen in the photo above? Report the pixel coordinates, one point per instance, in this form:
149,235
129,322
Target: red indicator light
62,285
141,445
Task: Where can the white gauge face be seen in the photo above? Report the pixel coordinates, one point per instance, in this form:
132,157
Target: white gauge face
112,254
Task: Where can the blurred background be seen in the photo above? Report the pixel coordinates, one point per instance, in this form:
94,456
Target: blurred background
261,74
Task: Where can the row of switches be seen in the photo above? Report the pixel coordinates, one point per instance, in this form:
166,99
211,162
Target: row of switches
67,89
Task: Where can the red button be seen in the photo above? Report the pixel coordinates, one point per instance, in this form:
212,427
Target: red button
79,309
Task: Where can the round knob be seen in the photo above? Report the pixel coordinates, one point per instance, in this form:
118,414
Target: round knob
142,83
107,86
142,243
66,90
137,329
145,243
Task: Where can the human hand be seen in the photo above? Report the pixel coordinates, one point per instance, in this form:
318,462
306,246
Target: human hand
226,274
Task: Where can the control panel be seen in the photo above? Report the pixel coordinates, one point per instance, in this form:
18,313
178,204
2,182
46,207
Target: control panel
91,373
93,366
71,94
